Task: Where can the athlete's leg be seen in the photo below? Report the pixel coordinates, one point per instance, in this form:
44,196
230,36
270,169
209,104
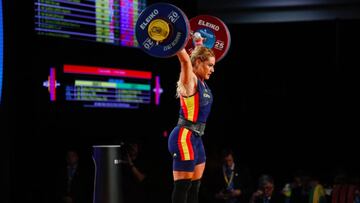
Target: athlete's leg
193,194
181,149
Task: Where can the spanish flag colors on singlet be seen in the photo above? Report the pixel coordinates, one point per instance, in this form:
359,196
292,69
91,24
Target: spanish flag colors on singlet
196,108
183,145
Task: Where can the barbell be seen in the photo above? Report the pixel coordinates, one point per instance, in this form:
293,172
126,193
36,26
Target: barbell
163,29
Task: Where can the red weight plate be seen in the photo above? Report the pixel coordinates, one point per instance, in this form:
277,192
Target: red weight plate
214,32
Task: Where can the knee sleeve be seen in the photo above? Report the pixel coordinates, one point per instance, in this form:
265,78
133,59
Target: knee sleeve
180,191
193,194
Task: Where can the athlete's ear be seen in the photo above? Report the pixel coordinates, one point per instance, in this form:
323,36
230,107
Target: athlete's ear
197,61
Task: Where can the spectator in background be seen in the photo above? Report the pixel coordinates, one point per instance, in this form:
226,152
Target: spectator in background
266,192
74,184
317,192
297,190
132,161
346,188
233,181
134,173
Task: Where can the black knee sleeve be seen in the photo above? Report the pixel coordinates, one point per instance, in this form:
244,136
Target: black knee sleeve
193,194
180,191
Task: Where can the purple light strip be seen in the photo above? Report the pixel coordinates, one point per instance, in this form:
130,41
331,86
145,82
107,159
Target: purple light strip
52,84
125,36
158,90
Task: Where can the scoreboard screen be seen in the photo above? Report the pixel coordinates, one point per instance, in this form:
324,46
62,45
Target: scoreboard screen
102,87
106,21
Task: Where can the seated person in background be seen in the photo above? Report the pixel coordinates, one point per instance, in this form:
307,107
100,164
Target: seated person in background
266,192
317,192
297,191
233,182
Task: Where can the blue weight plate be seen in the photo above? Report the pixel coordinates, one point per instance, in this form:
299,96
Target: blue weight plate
178,25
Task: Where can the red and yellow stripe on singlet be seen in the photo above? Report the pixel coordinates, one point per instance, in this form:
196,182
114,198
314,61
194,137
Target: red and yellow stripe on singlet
185,146
190,107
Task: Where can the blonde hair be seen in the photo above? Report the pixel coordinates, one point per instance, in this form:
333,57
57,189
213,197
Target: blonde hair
199,52
202,53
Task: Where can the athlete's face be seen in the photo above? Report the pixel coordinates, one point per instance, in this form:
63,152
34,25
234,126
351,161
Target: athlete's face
205,68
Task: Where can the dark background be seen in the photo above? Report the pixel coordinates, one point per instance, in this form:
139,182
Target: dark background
286,97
